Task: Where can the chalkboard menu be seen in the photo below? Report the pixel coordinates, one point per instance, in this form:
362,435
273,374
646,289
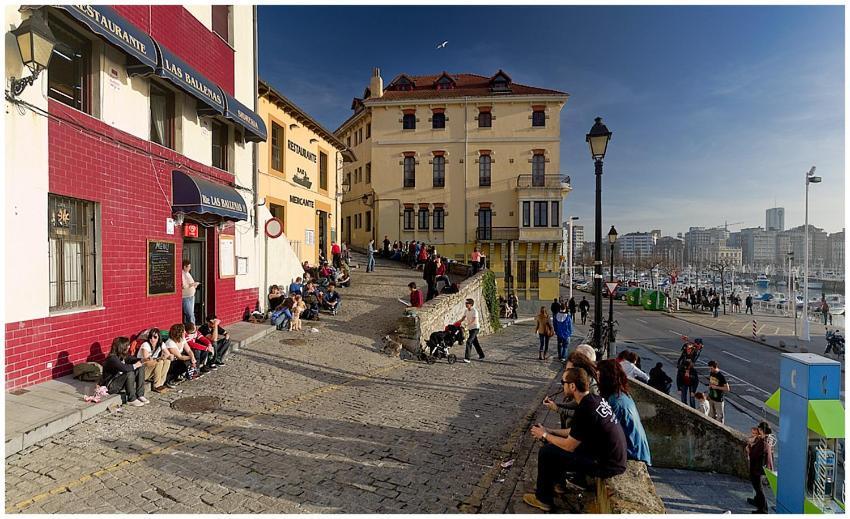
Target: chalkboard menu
161,270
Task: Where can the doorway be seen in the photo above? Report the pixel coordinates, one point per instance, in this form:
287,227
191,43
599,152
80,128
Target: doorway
348,230
194,250
323,234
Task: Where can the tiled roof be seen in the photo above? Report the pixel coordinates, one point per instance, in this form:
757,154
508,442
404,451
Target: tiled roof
465,85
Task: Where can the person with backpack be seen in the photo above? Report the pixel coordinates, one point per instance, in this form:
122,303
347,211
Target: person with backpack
156,361
122,372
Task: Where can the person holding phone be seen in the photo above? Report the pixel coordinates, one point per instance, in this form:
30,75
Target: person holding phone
189,287
121,372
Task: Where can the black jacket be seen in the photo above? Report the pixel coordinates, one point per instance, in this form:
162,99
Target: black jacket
430,270
680,379
659,380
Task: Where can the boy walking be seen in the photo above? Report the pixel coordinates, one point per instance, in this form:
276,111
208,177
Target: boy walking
470,317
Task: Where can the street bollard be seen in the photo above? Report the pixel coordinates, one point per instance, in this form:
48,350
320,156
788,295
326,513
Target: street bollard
755,337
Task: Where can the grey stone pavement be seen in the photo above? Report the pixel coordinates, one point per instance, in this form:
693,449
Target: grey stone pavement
310,422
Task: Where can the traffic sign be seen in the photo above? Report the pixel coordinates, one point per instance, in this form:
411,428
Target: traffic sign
274,228
612,286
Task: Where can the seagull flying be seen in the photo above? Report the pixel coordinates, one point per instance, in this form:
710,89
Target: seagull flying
442,45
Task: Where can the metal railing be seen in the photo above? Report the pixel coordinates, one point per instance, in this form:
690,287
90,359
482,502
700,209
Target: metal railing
496,233
544,181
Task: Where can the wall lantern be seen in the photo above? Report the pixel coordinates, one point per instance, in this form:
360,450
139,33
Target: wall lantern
35,44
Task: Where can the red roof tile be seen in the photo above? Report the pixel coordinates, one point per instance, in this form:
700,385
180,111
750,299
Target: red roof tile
465,85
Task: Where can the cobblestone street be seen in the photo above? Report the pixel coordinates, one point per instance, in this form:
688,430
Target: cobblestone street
310,422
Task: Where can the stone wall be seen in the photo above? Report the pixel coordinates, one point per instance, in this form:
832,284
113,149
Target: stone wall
681,437
417,324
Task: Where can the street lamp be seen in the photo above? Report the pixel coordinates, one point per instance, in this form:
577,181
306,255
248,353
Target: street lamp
612,239
570,252
35,44
810,179
598,138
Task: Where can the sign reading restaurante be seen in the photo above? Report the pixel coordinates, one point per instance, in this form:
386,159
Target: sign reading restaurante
309,155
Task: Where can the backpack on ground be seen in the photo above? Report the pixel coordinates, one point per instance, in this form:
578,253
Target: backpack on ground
88,371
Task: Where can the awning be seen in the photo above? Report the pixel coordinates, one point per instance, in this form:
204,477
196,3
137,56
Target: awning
207,200
245,117
188,79
107,23
826,417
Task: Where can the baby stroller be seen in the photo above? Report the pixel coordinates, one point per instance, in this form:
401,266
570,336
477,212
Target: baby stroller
437,346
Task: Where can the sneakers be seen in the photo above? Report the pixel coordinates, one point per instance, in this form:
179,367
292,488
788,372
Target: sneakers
531,500
206,369
144,400
465,361
171,385
135,403
213,366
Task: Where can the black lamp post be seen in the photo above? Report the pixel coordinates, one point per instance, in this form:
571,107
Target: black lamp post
612,239
35,43
598,140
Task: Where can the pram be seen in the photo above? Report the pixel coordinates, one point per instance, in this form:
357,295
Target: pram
438,344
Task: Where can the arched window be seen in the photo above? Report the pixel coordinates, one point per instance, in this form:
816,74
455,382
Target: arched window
538,170
439,171
484,168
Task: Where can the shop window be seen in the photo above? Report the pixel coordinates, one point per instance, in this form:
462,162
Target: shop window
221,21
220,144
541,214
408,219
323,170
538,170
423,219
485,119
484,169
277,147
408,122
162,116
538,118
72,253
439,219
368,221
68,73
368,172
526,214
439,171
409,172
368,130
555,220
438,120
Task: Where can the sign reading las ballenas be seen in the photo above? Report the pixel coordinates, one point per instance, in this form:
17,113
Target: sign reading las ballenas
222,202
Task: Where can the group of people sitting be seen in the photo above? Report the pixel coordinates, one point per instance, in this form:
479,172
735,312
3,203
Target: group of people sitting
416,254
163,359
305,297
600,428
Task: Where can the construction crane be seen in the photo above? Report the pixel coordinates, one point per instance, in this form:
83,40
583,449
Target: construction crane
726,225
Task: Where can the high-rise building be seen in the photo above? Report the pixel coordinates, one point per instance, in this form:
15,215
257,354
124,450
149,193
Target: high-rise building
670,251
636,246
578,240
758,247
836,252
775,219
796,243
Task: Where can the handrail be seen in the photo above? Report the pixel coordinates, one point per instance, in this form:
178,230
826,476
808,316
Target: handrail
496,233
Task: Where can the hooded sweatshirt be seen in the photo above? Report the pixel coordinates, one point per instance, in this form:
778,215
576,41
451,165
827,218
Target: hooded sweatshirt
563,325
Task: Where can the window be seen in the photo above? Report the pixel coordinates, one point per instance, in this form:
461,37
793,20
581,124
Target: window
409,172
68,72
526,214
360,135
323,170
485,119
220,142
538,118
357,221
277,211
408,219
162,116
484,167
221,21
348,140
485,223
556,214
520,272
538,170
368,221
348,179
277,147
535,272
408,122
445,83
439,171
541,214
368,172
423,219
72,253
368,130
438,120
439,219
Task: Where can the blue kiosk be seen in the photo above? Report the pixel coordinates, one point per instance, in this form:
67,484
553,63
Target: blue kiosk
811,432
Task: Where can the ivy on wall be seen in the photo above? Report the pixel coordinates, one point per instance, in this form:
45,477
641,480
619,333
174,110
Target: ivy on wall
488,289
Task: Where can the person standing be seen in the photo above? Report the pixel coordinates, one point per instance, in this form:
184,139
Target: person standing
749,303
429,274
555,307
572,307
717,387
336,254
189,287
370,256
543,329
470,317
584,307
476,260
564,330
687,382
759,455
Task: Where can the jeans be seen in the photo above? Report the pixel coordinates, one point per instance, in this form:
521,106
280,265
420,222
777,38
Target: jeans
715,410
552,465
132,382
370,263
544,343
563,344
471,341
686,394
222,348
189,309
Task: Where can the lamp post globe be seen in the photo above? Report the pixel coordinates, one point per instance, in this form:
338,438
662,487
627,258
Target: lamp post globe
597,139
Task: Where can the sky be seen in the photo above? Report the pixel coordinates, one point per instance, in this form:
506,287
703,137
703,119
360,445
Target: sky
717,112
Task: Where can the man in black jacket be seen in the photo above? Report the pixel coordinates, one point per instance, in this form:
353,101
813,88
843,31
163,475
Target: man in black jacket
659,380
429,274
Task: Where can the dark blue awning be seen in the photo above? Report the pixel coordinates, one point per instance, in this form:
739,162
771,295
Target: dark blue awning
188,79
245,117
204,198
106,22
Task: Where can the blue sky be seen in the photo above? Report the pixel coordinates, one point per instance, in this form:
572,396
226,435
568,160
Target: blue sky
716,110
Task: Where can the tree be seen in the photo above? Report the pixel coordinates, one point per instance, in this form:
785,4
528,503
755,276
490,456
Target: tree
722,266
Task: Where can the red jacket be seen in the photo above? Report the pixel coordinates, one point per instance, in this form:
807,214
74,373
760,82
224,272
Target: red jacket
335,249
197,341
416,298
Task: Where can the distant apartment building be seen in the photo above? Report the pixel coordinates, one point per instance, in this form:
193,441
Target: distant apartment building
719,253
578,240
835,261
697,241
636,246
775,219
794,240
758,247
670,251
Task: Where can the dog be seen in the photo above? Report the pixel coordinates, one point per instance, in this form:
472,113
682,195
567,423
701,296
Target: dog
392,346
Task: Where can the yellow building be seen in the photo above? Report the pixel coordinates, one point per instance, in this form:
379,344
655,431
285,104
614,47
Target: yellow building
299,169
459,161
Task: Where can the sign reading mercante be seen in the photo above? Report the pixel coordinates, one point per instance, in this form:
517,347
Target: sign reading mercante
161,268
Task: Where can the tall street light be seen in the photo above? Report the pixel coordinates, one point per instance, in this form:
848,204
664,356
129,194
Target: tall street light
570,252
598,140
612,239
810,179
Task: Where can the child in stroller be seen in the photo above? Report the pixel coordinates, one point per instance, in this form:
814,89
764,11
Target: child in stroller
438,344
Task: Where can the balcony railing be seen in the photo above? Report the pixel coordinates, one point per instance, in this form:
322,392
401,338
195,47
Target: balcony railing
544,181
497,233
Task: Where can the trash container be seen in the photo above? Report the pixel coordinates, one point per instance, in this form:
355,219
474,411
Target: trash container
653,300
634,295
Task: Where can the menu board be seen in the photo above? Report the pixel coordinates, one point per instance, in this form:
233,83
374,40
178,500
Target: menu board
161,268
226,256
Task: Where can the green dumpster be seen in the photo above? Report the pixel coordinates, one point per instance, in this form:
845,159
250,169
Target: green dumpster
634,295
653,300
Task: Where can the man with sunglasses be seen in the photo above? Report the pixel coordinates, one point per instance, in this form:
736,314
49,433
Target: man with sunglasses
594,445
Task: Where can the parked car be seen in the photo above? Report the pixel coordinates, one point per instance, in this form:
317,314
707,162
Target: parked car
621,292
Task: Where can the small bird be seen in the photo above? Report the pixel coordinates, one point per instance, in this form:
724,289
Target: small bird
442,45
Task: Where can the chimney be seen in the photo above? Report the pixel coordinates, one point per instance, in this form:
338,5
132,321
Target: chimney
376,83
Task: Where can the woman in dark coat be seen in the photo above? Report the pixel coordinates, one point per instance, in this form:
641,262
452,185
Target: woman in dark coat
122,373
687,382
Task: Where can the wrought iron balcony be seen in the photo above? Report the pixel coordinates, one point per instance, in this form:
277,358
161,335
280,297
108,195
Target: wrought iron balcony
496,233
543,181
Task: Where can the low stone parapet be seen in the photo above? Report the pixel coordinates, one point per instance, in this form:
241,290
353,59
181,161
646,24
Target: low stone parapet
632,492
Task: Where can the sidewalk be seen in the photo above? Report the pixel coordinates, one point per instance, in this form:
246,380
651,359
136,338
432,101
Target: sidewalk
43,410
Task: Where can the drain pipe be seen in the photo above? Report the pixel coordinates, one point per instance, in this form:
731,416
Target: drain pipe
255,178
465,161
